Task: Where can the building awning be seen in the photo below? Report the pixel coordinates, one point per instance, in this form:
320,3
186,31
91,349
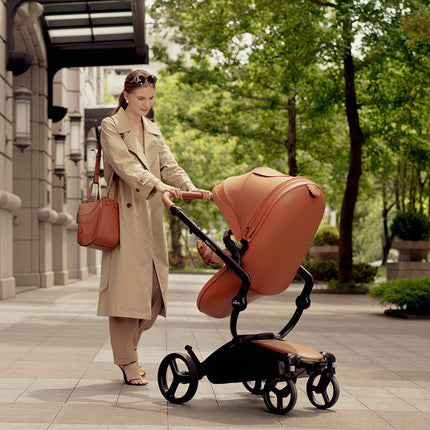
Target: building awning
85,33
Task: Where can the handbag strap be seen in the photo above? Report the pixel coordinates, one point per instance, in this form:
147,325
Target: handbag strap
96,177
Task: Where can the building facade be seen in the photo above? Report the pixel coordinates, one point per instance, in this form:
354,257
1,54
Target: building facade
51,88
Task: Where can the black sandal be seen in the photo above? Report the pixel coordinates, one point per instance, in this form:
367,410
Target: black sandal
129,381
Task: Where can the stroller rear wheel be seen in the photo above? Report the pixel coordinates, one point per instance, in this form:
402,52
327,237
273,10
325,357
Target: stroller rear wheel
254,387
280,395
177,378
323,390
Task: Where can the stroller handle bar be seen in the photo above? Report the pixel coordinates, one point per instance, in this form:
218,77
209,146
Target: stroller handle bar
185,195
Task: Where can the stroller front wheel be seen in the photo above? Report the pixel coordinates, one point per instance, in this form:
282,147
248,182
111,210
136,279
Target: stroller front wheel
322,390
177,378
280,395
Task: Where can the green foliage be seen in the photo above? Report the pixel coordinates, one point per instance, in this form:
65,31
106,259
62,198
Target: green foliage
410,226
364,273
368,229
334,284
321,270
242,63
412,295
327,235
327,271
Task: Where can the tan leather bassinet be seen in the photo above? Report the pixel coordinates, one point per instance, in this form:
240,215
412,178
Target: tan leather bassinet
279,215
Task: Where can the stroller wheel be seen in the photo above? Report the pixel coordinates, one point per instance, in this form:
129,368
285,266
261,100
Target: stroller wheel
322,390
177,378
254,387
280,395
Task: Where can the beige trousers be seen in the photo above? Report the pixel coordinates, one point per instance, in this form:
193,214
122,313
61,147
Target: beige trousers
125,333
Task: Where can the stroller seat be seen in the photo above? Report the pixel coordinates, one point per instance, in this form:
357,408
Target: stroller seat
284,347
273,219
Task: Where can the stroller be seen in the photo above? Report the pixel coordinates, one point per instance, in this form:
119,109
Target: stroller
273,218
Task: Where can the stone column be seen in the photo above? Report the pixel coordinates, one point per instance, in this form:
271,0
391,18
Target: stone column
94,261
60,249
9,203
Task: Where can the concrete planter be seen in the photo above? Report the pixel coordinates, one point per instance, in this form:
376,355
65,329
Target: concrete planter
412,250
324,252
408,270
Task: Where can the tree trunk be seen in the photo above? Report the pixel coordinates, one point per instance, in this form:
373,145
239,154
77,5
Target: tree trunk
292,135
388,238
175,254
354,173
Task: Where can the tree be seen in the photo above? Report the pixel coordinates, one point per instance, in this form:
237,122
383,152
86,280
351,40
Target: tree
281,72
395,105
207,159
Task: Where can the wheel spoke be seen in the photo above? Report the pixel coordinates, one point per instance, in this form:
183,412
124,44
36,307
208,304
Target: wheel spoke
280,403
286,391
174,368
183,377
173,387
325,397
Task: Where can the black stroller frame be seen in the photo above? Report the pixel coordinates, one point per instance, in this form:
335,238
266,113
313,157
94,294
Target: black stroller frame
263,371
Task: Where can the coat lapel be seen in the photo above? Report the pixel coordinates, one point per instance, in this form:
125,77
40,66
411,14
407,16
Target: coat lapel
150,129
129,138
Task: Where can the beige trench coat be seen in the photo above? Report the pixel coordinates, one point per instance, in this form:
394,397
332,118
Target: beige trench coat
126,275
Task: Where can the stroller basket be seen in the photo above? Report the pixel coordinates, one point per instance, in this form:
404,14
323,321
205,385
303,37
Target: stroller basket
274,217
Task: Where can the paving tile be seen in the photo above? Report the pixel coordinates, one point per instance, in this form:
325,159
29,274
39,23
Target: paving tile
379,399
26,426
202,413
28,412
48,390
79,427
312,419
8,395
45,369
111,414
407,420
56,367
419,398
90,391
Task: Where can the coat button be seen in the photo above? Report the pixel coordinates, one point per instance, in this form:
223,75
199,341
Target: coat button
129,205
137,190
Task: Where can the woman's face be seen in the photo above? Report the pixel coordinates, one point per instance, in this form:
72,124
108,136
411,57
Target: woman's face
140,100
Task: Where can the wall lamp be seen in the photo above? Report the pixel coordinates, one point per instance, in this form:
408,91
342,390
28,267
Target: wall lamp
60,154
22,118
75,138
91,151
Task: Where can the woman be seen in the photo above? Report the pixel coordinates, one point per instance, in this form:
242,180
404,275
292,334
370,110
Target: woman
133,284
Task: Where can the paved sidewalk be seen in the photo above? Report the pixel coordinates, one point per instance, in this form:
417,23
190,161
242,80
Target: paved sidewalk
56,368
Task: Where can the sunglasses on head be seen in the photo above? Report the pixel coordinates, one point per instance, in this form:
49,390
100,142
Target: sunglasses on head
140,79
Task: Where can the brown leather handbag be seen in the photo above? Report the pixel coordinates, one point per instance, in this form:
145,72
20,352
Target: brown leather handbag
98,220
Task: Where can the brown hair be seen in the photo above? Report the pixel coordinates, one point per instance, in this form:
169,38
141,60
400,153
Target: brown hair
130,85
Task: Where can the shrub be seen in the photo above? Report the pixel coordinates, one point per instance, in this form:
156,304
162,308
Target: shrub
327,235
334,284
327,270
321,270
364,273
410,226
412,295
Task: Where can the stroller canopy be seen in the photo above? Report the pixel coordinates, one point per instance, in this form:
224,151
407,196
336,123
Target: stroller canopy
244,199
279,215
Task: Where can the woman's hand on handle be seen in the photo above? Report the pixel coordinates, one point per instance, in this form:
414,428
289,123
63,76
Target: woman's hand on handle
162,188
207,195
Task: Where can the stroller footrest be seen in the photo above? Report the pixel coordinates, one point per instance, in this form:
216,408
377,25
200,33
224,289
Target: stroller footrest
291,348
